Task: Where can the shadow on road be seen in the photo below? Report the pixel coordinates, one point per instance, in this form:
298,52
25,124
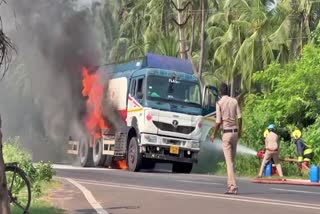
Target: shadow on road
109,209
262,193
123,207
85,211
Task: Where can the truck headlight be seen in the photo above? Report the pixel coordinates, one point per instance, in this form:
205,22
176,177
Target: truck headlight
195,144
151,138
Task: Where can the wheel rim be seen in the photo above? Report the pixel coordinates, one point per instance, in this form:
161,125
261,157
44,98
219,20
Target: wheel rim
83,151
132,152
97,148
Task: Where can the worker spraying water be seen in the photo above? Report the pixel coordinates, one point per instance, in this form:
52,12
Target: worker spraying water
272,152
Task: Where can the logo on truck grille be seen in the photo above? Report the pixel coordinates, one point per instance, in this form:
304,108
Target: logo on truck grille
175,123
170,127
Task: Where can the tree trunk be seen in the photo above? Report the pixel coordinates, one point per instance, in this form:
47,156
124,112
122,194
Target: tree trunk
191,44
232,87
4,198
203,20
182,38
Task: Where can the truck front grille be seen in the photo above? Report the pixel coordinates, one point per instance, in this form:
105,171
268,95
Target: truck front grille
170,128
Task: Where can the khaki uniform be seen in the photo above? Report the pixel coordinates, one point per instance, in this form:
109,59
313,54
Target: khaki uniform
271,140
228,111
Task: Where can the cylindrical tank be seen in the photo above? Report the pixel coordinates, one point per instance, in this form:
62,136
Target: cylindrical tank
268,170
314,173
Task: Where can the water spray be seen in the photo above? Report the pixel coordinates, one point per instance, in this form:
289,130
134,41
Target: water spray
241,149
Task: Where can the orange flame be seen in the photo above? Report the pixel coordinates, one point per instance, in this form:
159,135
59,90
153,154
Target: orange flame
122,164
93,89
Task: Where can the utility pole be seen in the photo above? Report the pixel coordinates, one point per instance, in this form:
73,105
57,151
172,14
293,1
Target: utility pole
182,38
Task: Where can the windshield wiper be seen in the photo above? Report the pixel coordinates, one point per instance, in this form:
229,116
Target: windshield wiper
181,102
193,103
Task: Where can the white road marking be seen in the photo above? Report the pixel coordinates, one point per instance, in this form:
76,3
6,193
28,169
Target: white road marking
92,201
61,166
199,182
206,195
297,191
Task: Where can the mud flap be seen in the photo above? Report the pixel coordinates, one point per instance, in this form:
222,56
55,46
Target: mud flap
108,145
74,147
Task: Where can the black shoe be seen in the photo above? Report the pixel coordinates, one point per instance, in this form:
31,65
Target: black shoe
233,191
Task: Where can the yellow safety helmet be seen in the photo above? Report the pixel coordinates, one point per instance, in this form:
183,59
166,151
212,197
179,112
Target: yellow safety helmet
265,133
296,134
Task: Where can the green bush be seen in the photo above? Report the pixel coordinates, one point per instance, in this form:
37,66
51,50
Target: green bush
38,173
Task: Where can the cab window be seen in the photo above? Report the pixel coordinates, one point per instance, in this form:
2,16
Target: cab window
133,88
210,99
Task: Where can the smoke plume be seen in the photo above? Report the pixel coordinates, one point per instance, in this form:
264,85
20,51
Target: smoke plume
55,39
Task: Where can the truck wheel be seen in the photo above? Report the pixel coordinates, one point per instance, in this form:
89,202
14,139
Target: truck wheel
182,167
134,157
85,153
98,157
108,161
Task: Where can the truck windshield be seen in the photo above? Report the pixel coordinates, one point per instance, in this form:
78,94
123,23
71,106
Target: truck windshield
171,90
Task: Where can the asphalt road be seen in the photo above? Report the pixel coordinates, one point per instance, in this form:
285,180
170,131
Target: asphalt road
120,192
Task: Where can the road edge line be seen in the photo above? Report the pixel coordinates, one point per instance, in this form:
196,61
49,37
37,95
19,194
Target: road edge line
88,195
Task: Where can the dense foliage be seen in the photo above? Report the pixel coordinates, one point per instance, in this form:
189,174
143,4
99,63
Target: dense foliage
290,98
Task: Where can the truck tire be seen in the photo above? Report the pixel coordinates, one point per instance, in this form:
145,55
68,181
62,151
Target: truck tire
108,161
85,154
182,167
98,157
134,157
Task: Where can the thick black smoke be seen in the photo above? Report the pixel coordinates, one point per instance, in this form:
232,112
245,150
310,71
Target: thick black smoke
55,40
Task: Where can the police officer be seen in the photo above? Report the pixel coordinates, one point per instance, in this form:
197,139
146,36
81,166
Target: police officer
305,152
227,113
272,150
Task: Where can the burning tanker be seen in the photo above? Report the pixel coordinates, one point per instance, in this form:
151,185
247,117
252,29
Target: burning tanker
99,114
143,112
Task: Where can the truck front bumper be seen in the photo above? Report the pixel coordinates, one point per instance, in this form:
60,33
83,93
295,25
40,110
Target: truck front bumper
171,158
169,149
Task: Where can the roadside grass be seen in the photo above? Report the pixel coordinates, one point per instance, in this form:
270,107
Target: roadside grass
40,207
40,203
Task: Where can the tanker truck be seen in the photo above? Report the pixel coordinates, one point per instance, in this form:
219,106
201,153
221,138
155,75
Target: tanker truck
167,111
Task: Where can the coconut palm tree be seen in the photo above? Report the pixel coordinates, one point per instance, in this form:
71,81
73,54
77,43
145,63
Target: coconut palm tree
239,34
294,31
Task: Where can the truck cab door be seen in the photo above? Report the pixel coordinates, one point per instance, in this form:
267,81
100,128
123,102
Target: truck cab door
210,98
